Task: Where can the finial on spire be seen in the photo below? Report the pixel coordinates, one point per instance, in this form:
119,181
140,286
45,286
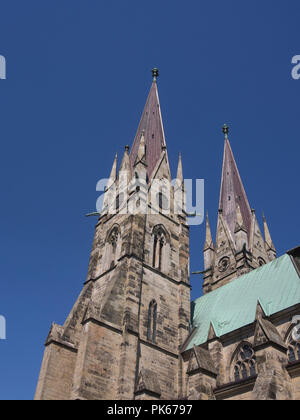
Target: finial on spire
225,130
155,74
124,171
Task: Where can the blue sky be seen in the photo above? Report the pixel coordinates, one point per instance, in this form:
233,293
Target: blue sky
78,74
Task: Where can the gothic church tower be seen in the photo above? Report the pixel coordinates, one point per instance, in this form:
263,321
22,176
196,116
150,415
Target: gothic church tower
240,246
122,339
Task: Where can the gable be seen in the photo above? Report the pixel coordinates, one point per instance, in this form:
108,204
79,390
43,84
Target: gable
200,360
266,332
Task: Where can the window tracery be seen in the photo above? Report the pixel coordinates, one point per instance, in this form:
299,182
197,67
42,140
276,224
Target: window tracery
245,363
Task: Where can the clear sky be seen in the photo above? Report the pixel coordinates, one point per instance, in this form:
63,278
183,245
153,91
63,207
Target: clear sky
78,74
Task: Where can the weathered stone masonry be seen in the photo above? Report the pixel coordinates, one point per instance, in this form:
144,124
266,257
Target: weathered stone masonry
131,333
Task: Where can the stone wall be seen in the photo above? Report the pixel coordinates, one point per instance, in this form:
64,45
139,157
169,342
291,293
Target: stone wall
275,377
56,375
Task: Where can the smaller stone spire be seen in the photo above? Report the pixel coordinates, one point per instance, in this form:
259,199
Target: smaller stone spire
125,161
179,191
179,178
109,194
113,173
179,169
208,239
209,259
270,248
125,169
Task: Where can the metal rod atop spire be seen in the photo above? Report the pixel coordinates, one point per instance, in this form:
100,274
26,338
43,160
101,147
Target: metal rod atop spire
225,130
155,74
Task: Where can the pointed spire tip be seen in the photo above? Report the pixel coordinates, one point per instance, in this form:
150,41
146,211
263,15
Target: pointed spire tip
155,74
225,130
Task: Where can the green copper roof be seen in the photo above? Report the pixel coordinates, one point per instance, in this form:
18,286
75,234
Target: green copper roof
275,285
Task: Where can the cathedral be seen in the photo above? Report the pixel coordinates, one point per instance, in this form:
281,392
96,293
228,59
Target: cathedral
134,334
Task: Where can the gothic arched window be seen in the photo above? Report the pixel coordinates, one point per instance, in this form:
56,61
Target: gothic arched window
244,363
119,201
158,248
152,317
112,252
237,373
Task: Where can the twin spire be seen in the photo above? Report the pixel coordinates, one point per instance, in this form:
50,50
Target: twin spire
150,130
149,141
234,205
240,246
238,232
233,198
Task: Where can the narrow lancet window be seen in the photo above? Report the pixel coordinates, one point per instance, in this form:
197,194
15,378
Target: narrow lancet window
152,317
112,248
158,249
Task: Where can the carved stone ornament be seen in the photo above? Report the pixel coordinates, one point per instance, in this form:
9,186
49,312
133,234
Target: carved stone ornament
223,264
296,333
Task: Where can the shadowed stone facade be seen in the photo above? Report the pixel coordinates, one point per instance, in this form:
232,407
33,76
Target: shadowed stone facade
131,333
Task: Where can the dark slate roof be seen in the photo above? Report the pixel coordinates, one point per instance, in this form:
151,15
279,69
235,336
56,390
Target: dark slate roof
151,123
233,192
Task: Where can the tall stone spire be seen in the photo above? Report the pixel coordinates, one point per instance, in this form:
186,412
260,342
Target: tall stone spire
239,246
103,346
152,126
232,191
